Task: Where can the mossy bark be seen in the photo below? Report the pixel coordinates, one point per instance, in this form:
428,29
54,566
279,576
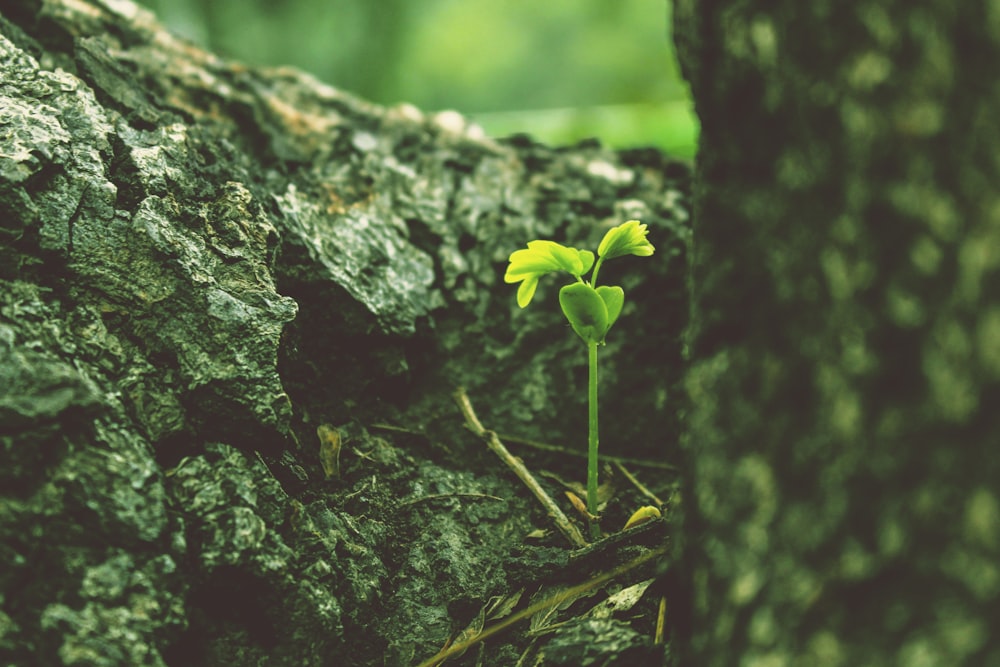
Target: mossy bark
842,445
210,273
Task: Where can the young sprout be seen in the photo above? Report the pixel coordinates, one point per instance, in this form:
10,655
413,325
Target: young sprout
591,310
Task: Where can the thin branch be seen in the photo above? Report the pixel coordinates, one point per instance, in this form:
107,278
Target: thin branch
397,429
639,485
548,447
565,526
545,447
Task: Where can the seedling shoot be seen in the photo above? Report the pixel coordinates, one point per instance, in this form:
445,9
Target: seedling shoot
591,309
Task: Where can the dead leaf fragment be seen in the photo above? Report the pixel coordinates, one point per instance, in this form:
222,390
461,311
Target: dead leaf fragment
642,515
621,601
329,450
500,606
579,506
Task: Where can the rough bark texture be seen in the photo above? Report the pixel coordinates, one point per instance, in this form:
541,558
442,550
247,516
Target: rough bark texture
845,381
201,264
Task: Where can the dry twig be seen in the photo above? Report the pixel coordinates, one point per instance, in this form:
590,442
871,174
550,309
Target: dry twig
565,526
610,458
639,485
545,447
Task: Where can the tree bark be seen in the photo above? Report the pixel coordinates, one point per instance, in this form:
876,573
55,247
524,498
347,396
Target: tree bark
234,306
841,451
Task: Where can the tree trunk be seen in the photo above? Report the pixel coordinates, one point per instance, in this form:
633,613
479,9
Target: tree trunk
844,389
234,305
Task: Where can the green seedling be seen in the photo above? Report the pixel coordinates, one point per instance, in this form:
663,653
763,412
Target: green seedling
591,310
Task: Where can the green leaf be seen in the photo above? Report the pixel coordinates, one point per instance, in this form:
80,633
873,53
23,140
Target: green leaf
614,299
585,310
541,257
628,238
527,290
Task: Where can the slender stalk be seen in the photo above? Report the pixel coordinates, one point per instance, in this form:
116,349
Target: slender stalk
592,441
597,267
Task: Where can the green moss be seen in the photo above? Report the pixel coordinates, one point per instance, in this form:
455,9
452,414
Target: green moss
904,308
769,659
837,277
921,118
978,256
980,575
869,70
823,650
988,341
926,255
855,561
891,537
981,525
946,364
763,629
745,585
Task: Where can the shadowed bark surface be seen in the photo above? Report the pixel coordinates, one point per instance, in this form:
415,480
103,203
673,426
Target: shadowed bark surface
845,370
211,276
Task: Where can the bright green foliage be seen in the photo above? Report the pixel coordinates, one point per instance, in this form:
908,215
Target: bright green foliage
626,239
543,257
591,310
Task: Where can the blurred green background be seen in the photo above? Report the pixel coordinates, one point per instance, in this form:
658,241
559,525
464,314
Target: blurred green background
560,70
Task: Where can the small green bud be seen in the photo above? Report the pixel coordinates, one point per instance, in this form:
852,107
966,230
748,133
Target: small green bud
628,238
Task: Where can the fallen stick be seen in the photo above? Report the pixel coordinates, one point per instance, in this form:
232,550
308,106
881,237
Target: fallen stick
562,522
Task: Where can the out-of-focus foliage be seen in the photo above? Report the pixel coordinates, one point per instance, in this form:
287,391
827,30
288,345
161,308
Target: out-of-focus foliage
561,70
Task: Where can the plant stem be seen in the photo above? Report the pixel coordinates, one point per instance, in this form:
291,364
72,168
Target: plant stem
597,267
592,441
